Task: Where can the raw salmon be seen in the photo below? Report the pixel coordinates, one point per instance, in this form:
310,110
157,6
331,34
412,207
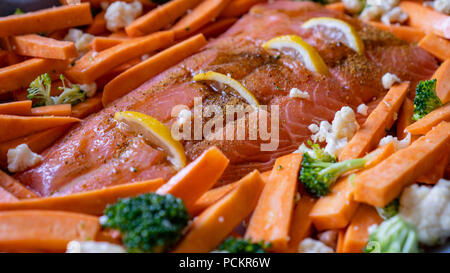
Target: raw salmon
97,153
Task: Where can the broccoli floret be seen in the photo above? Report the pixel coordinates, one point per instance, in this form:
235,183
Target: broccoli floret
390,210
318,175
72,94
394,235
18,11
426,99
39,92
148,222
239,245
316,152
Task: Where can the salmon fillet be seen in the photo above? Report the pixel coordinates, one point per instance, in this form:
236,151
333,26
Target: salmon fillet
98,153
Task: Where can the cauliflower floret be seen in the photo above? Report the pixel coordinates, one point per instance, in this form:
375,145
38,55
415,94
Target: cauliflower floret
385,5
80,39
22,158
398,144
353,6
344,124
362,109
339,132
323,132
89,88
376,8
389,79
395,15
371,13
439,5
297,93
309,245
314,128
93,247
428,208
120,14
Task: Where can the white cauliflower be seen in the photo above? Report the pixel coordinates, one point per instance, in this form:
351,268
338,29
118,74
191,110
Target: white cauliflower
395,15
362,109
309,245
353,6
80,39
398,144
439,5
89,88
93,247
389,79
428,208
297,93
120,14
386,9
338,133
371,13
22,158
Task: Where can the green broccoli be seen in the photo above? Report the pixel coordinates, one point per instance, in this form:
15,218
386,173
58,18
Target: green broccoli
148,222
426,99
318,175
390,210
39,92
394,235
317,152
239,245
18,11
72,95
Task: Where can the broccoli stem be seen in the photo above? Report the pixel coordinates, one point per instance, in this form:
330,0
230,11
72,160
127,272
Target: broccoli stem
339,168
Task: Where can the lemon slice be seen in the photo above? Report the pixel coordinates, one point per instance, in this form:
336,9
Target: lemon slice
224,79
156,133
351,37
310,56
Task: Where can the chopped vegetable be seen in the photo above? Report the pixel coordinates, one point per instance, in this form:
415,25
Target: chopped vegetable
318,176
426,99
42,47
442,76
383,183
426,123
39,92
239,245
46,20
148,222
201,15
390,210
271,219
357,234
394,235
426,19
20,108
133,77
90,202
374,128
160,17
213,225
21,74
13,127
44,230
